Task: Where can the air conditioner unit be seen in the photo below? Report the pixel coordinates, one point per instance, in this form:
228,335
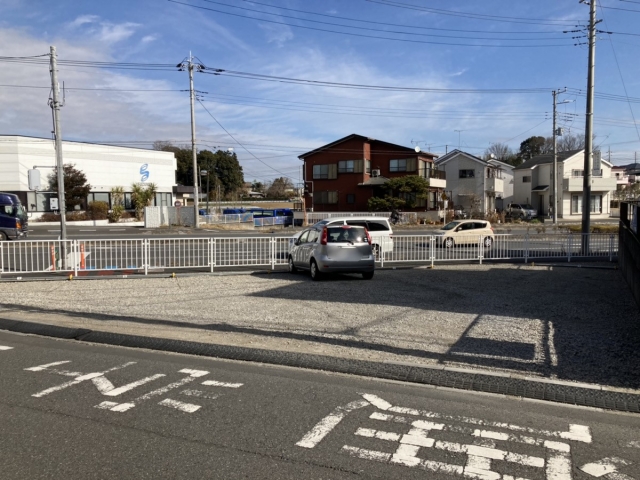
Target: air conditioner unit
375,172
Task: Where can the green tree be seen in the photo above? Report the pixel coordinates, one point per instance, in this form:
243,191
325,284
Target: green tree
142,195
531,147
281,188
117,204
401,192
76,188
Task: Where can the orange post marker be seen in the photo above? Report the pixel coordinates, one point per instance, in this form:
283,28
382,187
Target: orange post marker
53,258
83,264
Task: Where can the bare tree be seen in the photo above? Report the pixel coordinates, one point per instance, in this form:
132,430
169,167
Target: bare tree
501,151
570,142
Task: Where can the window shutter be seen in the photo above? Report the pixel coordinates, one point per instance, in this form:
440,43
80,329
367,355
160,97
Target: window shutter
332,197
411,164
421,168
333,171
358,166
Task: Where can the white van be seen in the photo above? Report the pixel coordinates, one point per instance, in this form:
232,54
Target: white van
378,227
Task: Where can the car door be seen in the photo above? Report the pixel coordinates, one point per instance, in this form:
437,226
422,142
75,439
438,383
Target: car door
298,248
310,246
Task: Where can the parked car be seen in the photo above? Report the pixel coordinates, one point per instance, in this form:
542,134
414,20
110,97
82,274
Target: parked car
465,232
379,229
13,218
521,210
333,249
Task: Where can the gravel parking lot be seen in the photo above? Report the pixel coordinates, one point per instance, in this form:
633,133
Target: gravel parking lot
577,324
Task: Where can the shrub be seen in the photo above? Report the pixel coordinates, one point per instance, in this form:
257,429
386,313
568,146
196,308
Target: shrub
76,217
98,210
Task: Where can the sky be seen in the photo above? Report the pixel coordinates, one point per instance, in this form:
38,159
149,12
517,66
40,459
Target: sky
283,77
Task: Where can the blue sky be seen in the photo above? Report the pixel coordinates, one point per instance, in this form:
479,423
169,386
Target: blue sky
431,49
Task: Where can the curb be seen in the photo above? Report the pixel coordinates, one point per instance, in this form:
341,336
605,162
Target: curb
499,383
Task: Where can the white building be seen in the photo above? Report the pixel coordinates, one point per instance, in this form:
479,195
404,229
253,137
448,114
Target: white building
105,167
470,178
534,184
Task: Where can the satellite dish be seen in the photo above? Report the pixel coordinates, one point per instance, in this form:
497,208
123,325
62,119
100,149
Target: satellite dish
493,156
417,149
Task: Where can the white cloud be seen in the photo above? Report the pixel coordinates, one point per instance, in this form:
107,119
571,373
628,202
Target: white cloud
277,34
459,73
116,32
83,19
149,38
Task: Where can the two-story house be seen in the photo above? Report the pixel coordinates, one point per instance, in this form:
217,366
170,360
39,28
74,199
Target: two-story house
533,184
477,184
343,175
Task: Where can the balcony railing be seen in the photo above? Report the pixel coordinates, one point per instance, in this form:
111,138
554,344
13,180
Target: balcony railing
439,174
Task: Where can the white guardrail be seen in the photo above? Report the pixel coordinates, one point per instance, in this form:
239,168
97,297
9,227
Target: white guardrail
144,256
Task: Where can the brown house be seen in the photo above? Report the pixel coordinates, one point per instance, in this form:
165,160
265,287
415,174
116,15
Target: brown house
342,176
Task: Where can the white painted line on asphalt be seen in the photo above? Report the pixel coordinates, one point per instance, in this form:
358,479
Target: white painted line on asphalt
214,383
198,393
183,407
107,388
76,381
87,230
2,348
40,368
117,229
605,467
328,423
193,374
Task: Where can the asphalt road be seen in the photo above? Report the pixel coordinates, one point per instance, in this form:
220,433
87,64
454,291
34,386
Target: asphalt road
76,411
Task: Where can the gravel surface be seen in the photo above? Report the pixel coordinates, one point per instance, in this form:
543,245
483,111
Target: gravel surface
577,324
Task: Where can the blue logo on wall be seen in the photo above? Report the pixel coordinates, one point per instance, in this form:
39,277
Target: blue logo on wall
144,171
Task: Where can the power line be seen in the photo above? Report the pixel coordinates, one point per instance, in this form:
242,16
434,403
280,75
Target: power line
364,35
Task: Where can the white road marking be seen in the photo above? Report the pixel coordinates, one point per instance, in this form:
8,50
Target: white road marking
328,423
481,452
214,383
605,467
198,393
632,444
107,388
40,368
193,374
184,407
2,348
76,381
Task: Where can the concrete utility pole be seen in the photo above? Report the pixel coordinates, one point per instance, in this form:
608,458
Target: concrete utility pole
556,133
196,198
55,105
588,131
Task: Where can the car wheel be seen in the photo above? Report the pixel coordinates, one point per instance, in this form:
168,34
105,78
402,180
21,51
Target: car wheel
448,243
3,236
292,267
375,250
522,216
367,275
315,272
488,241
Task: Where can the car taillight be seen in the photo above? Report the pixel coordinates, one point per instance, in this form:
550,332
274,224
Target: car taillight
325,236
366,232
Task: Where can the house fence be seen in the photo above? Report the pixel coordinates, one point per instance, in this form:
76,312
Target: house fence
148,255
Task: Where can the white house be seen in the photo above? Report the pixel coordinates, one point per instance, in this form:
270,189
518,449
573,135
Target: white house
105,166
533,184
471,178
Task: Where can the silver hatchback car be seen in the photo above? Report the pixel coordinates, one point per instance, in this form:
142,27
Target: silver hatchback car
333,249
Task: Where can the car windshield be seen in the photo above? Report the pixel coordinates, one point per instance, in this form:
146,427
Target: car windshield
12,210
321,223
527,207
450,226
349,235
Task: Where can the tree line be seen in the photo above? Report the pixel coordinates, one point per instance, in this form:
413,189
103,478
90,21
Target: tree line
532,146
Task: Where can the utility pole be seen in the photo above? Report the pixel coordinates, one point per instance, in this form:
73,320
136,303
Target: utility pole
193,145
588,133
556,133
55,105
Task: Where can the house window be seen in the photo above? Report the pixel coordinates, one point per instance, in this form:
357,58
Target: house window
320,198
320,172
345,166
577,173
526,179
398,165
596,204
467,173
367,166
323,172
351,198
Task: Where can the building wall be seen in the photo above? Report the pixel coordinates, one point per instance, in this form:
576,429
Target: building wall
464,189
346,184
105,166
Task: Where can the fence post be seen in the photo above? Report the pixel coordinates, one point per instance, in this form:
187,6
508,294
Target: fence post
611,248
145,255
526,248
480,249
569,248
212,251
272,242
2,257
214,244
76,255
432,250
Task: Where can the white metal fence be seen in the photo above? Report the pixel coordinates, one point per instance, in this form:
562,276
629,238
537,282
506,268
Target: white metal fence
144,256
313,217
